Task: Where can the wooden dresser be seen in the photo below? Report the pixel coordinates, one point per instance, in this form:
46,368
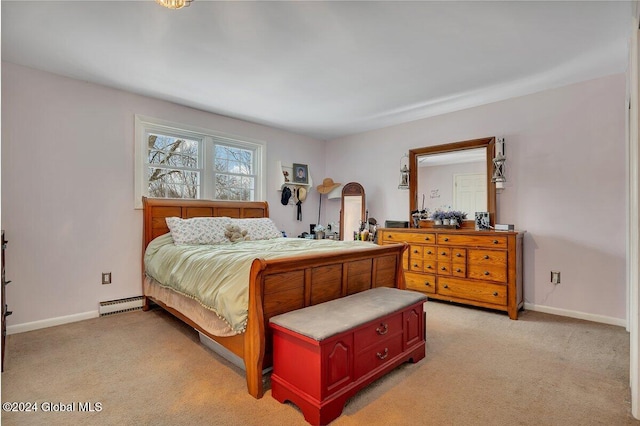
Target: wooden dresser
480,268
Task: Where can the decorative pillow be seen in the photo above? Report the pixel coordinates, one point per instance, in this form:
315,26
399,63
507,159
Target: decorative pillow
259,228
198,230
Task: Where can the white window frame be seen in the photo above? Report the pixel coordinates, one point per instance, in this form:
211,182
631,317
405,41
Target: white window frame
208,139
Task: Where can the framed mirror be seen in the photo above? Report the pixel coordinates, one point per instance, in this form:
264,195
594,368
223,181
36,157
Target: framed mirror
456,175
352,211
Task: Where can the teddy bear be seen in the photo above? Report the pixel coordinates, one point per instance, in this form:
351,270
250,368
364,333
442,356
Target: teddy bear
233,233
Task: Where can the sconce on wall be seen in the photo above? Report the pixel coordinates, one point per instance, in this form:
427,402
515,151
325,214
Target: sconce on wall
499,165
404,172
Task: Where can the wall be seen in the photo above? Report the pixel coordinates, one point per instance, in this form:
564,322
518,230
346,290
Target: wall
566,186
67,189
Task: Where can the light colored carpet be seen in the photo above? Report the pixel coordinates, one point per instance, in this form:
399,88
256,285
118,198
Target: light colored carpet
481,369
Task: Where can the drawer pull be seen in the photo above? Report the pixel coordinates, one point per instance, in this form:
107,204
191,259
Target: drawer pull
458,254
415,251
486,256
495,293
415,265
390,236
428,266
446,239
444,253
446,286
495,241
444,268
384,354
458,270
486,272
426,238
429,252
382,330
427,283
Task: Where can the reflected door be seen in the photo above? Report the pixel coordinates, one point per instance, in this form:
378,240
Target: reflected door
470,193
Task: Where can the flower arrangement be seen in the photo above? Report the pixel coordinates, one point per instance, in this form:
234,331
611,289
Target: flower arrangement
456,216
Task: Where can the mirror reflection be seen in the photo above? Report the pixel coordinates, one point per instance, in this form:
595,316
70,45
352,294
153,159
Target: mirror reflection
452,177
353,210
453,180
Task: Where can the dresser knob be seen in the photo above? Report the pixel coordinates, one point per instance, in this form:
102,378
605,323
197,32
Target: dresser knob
486,272
429,252
446,286
446,239
444,268
428,266
495,293
458,270
415,265
444,253
427,283
382,330
426,238
384,354
415,251
495,241
486,256
458,254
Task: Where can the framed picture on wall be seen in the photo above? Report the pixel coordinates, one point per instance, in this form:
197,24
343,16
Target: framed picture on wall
300,173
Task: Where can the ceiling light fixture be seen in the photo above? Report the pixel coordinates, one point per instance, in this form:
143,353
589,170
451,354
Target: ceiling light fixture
174,4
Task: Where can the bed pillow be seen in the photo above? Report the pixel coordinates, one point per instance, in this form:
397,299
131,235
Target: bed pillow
259,228
198,230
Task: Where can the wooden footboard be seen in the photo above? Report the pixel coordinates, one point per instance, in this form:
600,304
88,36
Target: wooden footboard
283,285
279,285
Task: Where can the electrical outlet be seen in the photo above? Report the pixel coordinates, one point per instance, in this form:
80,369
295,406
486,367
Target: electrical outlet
555,277
106,278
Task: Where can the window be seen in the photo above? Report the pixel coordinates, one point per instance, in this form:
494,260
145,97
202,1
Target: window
178,161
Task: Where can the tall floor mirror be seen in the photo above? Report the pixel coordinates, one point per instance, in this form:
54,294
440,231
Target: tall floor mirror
352,211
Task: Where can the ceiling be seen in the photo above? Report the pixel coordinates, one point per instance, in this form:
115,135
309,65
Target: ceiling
322,69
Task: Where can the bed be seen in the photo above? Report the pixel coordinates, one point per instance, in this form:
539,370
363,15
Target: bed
275,286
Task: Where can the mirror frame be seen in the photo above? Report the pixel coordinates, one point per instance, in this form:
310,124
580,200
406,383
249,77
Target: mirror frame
487,143
352,189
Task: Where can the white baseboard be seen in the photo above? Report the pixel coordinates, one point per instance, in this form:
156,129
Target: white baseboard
575,314
36,325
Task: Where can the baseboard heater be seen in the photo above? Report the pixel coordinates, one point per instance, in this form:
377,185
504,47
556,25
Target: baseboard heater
121,305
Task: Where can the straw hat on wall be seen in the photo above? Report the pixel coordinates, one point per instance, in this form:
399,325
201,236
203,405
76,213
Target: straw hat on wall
327,185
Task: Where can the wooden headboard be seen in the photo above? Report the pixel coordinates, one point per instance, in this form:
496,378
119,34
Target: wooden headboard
157,209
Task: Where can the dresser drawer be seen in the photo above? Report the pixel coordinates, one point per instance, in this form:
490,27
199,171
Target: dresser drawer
458,255
488,265
488,273
377,355
377,332
494,241
420,282
463,289
458,270
444,268
429,266
416,251
416,265
429,252
444,254
408,237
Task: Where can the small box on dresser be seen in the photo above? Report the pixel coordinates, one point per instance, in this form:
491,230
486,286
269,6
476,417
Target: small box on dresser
480,268
324,354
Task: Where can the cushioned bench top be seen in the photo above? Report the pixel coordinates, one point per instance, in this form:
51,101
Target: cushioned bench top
336,316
